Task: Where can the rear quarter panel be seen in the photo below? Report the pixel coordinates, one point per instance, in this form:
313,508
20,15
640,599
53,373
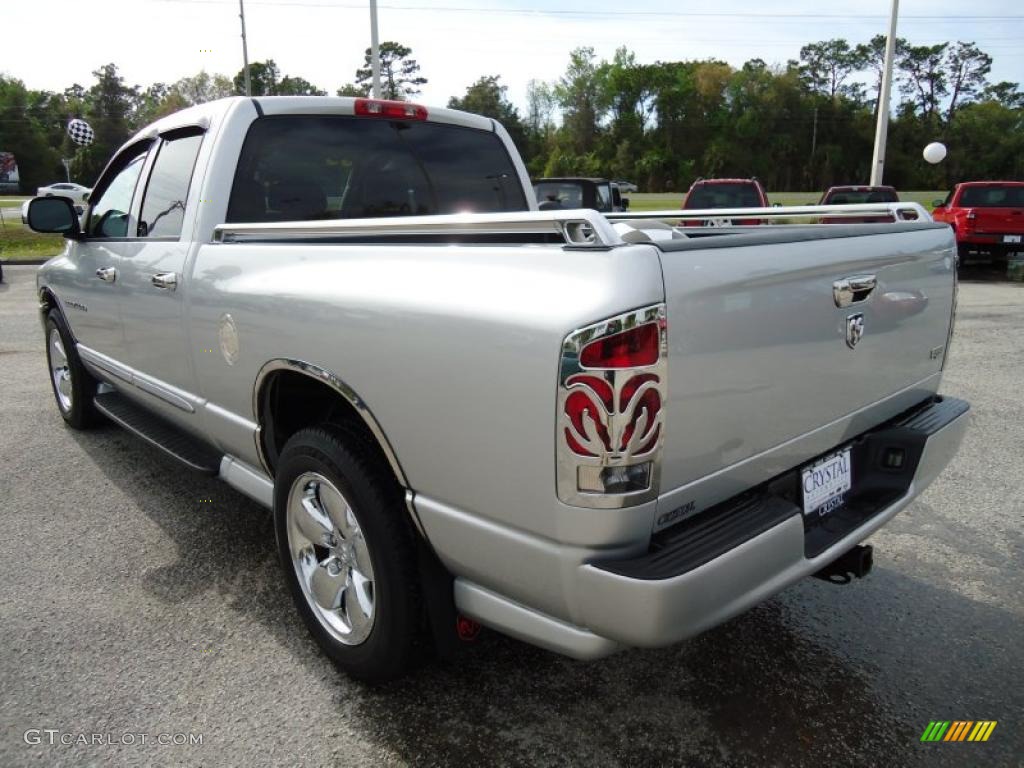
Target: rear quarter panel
455,350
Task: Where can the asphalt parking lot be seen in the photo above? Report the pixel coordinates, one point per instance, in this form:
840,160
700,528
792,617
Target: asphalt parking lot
137,598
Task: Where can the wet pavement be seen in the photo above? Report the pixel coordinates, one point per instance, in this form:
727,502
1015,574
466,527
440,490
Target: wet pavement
136,598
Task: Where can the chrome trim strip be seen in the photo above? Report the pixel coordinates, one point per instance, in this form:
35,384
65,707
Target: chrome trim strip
334,382
899,212
104,363
247,480
579,228
165,392
410,506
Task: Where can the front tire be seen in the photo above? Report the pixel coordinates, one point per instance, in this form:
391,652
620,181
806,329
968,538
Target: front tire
73,386
348,553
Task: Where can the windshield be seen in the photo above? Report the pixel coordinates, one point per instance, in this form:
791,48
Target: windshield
856,197
566,194
993,197
740,195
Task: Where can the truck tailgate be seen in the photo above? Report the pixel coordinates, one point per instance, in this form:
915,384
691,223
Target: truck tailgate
758,350
1000,221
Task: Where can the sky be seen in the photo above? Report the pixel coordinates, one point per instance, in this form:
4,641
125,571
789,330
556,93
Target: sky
50,44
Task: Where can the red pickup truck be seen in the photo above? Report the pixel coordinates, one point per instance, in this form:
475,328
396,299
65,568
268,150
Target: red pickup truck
987,217
725,193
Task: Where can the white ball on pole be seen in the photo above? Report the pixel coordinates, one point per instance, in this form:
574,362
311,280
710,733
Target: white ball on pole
935,152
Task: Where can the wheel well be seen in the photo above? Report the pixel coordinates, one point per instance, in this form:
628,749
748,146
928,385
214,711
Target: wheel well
289,401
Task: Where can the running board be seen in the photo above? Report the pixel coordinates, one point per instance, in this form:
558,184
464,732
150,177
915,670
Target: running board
189,450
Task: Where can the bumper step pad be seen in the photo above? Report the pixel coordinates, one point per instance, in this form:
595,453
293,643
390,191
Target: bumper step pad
885,460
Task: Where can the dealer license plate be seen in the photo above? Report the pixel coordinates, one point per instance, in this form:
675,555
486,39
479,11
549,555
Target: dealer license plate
1011,238
826,482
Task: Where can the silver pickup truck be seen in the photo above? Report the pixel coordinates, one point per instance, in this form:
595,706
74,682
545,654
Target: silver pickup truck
586,431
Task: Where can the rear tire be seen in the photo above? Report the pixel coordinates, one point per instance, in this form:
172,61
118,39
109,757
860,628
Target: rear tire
348,552
73,386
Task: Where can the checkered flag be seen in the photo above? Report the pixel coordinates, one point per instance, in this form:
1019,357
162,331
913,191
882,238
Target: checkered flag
80,132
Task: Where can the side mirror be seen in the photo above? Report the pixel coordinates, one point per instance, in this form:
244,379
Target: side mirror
938,203
85,197
625,203
53,215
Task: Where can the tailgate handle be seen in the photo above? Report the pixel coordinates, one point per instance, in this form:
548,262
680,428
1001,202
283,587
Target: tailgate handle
850,290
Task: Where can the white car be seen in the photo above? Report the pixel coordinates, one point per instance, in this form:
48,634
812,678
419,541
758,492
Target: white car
76,192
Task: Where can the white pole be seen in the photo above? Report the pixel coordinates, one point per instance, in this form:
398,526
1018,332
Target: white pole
374,50
882,127
245,50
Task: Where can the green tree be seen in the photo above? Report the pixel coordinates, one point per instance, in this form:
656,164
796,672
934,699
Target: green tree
351,89
829,64
967,68
22,133
579,96
924,80
399,74
297,86
109,108
263,78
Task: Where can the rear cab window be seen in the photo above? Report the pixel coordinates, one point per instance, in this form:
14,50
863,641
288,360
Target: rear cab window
310,167
729,195
1009,196
859,196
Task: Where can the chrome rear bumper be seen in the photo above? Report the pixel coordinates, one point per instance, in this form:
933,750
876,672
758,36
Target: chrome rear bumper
618,606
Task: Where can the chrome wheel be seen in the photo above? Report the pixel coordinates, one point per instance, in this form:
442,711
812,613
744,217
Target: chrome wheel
60,372
330,558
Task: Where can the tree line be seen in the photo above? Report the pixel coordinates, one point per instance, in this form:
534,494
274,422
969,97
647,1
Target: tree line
803,125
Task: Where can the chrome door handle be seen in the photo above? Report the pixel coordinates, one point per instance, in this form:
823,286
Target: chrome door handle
166,280
853,289
107,274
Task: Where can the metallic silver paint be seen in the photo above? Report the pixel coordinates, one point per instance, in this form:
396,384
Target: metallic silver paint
252,482
526,624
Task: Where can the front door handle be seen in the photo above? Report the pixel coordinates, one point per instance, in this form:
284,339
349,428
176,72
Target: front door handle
166,280
853,289
107,274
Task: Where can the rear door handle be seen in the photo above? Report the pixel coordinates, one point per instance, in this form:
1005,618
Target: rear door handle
107,274
850,290
166,280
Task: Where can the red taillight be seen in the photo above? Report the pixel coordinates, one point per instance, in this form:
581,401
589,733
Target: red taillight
390,110
629,349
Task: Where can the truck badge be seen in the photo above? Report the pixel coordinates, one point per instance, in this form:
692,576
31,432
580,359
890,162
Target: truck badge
854,329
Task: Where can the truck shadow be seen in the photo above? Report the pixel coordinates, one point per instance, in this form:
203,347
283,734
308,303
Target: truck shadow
854,674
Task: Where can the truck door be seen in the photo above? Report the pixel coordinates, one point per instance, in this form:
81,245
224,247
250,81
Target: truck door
151,276
90,294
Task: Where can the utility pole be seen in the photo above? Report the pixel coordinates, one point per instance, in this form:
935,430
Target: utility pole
374,49
245,50
882,127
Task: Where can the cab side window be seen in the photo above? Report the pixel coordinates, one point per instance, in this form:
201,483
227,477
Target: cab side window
109,214
163,206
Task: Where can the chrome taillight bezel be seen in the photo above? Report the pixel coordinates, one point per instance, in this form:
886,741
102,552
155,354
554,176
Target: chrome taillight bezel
569,462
